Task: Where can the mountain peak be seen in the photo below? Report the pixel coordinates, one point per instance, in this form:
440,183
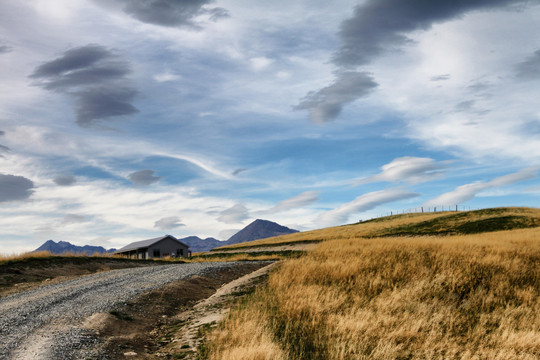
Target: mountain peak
259,229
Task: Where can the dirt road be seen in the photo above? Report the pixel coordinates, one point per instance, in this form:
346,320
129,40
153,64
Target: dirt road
46,323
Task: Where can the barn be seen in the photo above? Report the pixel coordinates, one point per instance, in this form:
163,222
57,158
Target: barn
155,248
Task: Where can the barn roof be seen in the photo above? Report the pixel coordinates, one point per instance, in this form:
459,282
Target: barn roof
147,243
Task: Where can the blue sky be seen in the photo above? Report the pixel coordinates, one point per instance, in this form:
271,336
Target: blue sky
123,120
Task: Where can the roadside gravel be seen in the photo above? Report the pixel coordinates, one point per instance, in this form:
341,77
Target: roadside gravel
46,323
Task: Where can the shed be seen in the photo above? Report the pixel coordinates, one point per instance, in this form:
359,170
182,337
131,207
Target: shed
154,248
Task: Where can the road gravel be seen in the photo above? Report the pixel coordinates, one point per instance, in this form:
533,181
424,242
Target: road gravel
46,322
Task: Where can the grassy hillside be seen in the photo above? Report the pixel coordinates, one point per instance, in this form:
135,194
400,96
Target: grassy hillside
440,223
365,293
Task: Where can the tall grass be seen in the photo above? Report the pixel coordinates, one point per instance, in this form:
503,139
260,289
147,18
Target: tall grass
453,297
25,255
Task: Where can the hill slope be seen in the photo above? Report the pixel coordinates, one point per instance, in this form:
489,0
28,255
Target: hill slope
416,224
364,294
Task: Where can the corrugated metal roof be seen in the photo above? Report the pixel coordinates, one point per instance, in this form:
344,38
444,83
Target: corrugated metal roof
146,243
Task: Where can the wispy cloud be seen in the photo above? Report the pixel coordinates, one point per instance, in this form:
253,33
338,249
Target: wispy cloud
341,214
467,192
407,169
441,77
234,215
301,200
203,164
73,219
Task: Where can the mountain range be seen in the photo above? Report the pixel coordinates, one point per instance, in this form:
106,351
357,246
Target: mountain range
258,229
62,247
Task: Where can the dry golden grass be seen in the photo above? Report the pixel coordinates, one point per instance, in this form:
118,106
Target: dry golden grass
453,297
26,255
45,254
382,225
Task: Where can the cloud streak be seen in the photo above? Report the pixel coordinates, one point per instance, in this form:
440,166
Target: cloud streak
467,192
341,214
205,165
304,199
73,219
96,77
408,169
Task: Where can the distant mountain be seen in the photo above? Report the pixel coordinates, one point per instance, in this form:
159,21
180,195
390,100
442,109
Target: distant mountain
62,247
259,229
196,244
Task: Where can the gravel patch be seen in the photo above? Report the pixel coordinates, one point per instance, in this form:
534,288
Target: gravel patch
46,322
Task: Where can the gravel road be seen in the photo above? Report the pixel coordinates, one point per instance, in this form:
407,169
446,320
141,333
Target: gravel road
46,323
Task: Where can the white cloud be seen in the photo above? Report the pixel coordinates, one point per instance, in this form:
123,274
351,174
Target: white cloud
341,214
166,76
408,169
234,215
467,192
260,63
169,222
301,200
481,71
283,75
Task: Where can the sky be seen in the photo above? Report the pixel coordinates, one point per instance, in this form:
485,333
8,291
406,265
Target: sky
122,120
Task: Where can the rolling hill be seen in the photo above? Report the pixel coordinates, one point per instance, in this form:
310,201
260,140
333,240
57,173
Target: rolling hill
449,285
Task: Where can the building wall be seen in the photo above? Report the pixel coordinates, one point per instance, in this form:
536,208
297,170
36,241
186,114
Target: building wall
167,247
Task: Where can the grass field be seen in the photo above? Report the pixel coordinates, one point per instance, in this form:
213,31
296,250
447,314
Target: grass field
366,293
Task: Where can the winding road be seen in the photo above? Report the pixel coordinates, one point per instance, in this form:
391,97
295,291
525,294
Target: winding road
46,322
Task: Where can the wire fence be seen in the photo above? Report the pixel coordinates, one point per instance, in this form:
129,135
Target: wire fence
426,209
